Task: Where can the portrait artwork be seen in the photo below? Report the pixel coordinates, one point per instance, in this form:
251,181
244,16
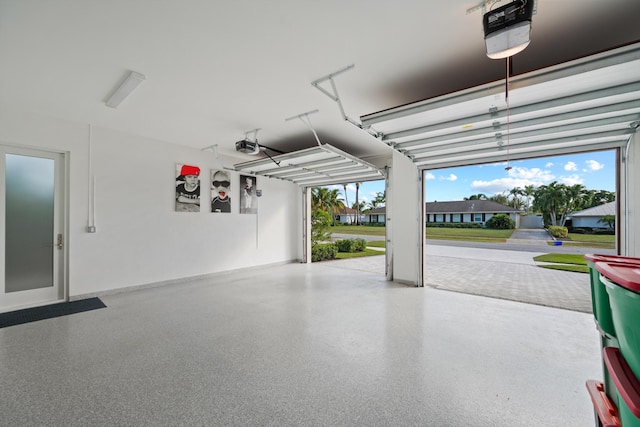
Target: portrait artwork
220,191
248,196
187,188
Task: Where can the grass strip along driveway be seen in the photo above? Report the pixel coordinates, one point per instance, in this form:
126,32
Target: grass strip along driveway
469,234
564,262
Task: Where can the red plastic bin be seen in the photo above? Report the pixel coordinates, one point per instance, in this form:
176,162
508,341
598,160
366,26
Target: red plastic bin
627,384
605,409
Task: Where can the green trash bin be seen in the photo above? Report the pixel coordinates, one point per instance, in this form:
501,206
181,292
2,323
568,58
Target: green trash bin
599,297
622,283
602,311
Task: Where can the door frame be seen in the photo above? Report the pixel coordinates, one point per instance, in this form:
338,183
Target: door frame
61,227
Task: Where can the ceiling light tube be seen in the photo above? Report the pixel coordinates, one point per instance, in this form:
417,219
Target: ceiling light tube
132,81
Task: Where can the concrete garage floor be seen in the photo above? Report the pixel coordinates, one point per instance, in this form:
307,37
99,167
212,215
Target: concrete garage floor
301,345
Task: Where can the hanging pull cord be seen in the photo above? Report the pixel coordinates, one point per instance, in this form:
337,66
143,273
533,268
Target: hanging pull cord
506,91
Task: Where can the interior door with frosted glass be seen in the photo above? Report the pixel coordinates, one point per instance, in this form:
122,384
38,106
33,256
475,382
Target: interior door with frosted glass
31,222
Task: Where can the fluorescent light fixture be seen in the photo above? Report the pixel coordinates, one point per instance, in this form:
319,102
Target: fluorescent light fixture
132,81
507,29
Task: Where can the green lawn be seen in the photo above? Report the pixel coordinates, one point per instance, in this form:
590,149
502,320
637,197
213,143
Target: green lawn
565,262
358,229
366,252
598,241
577,259
377,244
469,234
592,238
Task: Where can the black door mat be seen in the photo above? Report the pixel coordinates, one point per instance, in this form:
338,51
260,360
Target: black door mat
34,314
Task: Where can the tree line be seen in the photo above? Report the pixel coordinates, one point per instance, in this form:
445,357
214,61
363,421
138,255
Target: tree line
331,201
553,201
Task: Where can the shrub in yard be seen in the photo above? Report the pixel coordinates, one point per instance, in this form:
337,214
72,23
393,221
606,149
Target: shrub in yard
501,222
323,251
558,231
320,226
351,245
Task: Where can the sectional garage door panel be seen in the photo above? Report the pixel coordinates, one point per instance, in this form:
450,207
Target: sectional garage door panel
313,167
586,105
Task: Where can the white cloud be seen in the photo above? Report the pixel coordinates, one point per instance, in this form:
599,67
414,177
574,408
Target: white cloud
516,177
451,177
548,165
594,165
571,180
536,175
428,176
571,166
494,186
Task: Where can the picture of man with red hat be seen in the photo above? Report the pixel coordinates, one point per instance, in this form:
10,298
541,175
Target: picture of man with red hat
188,189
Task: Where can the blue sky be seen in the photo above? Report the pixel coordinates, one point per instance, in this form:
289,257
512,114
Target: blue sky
596,171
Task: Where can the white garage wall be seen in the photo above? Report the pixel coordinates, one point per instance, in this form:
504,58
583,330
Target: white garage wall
630,199
405,219
140,239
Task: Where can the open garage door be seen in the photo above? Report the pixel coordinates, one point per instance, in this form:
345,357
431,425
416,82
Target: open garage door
313,167
585,105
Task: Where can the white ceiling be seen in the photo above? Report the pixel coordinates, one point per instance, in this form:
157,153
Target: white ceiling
216,70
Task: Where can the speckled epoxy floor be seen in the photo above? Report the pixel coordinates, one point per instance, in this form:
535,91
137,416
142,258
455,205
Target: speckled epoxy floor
300,345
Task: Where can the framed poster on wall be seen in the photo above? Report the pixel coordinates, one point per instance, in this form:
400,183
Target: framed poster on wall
187,188
248,196
220,191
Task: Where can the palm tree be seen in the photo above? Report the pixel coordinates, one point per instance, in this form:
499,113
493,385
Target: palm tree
327,200
515,194
377,201
346,200
380,199
574,200
498,198
359,207
548,199
357,204
319,198
528,192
